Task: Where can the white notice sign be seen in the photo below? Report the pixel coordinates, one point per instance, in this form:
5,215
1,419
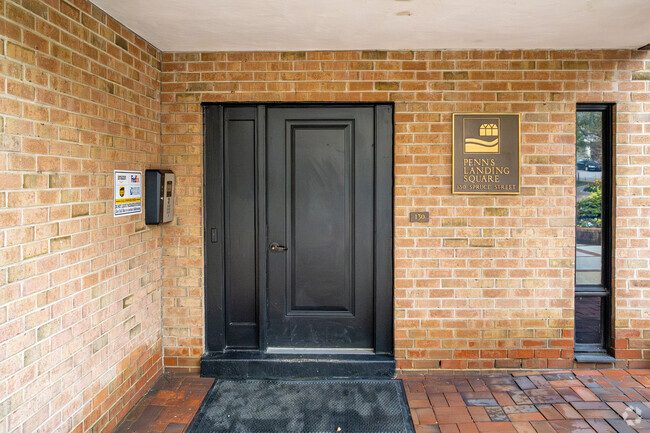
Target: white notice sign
127,193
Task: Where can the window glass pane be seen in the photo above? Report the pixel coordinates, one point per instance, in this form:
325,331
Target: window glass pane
589,178
588,320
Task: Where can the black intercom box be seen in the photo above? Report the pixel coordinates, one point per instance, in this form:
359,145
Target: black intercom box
159,196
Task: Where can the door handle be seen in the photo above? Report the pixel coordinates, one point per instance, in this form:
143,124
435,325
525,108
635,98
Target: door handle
274,246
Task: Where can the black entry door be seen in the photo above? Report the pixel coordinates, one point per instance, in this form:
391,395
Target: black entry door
320,210
298,227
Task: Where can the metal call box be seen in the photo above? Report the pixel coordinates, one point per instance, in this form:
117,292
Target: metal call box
159,196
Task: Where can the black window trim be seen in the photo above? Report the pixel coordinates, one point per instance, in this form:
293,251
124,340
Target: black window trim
604,290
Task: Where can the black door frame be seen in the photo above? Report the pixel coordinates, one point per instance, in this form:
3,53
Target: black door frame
214,248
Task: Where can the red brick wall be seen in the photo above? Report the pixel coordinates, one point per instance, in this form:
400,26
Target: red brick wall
488,282
80,325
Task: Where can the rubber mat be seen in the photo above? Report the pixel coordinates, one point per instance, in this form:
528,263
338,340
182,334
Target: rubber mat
315,406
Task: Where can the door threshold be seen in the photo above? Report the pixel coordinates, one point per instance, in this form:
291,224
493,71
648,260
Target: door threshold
317,351
257,365
594,357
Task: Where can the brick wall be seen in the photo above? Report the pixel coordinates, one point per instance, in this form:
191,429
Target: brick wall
488,283
80,325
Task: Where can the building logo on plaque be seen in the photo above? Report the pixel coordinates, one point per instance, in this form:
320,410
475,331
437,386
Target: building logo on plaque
486,153
481,136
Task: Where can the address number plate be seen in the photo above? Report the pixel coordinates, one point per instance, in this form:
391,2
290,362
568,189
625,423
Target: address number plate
419,217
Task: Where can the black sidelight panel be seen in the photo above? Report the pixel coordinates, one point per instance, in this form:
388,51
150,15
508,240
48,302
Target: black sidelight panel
231,217
240,235
589,317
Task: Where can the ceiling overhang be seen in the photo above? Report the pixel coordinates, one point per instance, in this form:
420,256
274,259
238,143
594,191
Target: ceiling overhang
302,25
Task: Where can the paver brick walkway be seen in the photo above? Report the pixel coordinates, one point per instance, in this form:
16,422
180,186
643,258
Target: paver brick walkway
168,407
602,401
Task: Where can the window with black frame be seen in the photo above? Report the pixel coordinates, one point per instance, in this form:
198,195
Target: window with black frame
594,218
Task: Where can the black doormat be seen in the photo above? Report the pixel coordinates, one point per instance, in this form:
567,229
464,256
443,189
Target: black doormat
293,406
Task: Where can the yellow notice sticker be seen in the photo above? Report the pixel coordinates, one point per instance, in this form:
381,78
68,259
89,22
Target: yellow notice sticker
127,200
127,193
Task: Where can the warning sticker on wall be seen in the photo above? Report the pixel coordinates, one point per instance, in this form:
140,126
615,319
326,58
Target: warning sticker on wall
127,193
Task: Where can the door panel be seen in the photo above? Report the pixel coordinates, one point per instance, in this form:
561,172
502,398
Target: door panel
320,181
240,228
240,237
321,161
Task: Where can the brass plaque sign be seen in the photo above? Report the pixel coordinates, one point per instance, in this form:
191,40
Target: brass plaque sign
419,217
486,153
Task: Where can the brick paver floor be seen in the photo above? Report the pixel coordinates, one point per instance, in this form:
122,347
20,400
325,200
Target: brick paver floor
602,401
168,407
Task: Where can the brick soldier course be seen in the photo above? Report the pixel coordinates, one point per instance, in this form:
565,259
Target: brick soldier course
93,308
